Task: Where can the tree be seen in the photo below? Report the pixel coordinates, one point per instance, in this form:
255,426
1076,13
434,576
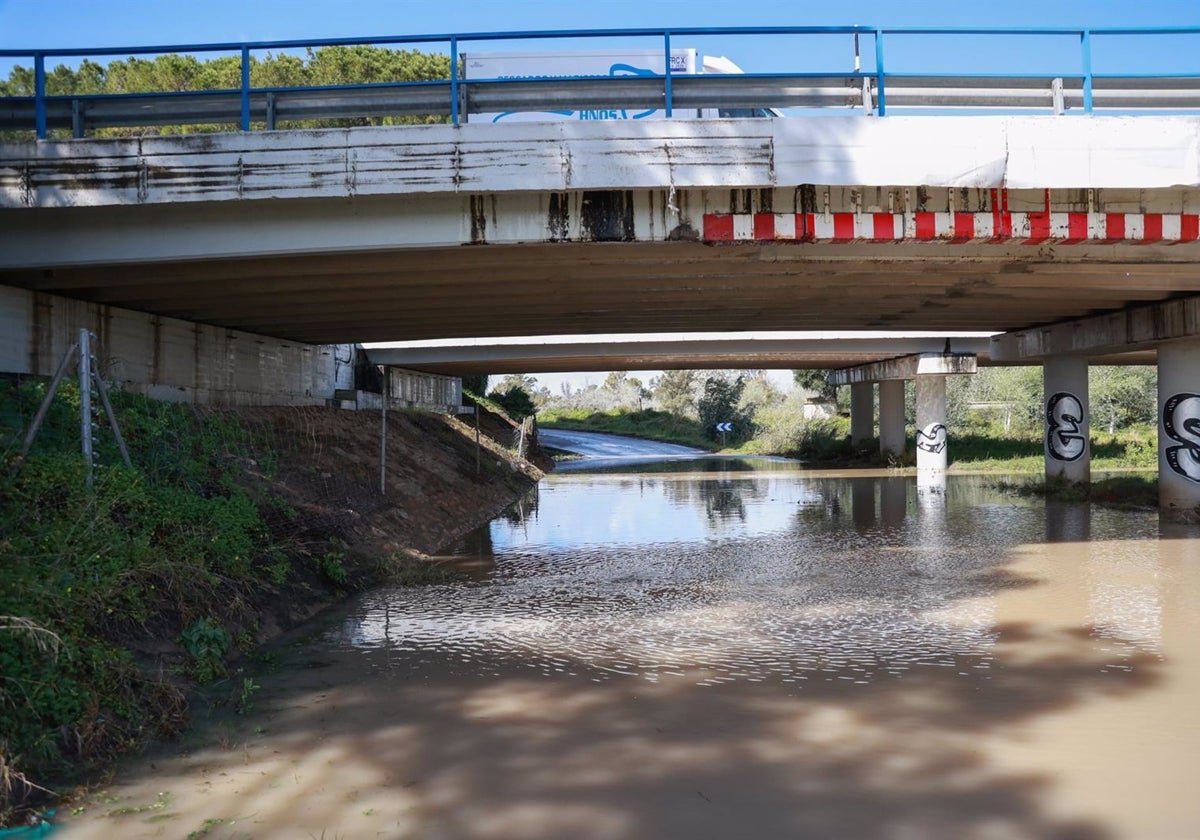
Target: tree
673,391
814,381
758,394
615,380
516,380
516,402
173,72
1014,392
1121,395
639,391
719,404
475,383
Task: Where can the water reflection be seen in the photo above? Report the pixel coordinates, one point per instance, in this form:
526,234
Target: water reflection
745,574
735,653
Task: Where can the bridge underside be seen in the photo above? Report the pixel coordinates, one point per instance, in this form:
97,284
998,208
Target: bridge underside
599,287
460,232
758,352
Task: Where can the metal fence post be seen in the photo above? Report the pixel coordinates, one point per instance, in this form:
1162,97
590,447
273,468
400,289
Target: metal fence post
39,95
245,88
387,393
454,81
85,399
668,85
881,103
1085,43
40,417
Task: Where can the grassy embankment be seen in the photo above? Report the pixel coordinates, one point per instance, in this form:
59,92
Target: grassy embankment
171,548
115,602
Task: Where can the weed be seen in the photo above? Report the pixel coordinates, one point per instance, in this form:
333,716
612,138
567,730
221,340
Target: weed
1121,491
244,703
207,827
206,642
278,570
332,566
160,802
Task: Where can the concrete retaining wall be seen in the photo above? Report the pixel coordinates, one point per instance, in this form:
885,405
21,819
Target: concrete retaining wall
167,358
409,387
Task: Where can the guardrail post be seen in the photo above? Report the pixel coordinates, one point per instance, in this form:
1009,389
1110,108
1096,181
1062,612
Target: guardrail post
667,86
454,81
245,88
1086,45
39,94
881,100
77,128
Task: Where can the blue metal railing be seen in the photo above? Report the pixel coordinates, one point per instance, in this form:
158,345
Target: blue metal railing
40,103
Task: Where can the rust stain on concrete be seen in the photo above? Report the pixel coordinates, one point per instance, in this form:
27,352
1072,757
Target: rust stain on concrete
558,217
607,216
478,220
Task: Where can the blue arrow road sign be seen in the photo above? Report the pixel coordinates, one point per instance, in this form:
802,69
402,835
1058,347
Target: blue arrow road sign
724,427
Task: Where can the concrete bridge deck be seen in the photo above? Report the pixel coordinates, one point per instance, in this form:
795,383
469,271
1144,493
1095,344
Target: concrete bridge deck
959,224
1073,238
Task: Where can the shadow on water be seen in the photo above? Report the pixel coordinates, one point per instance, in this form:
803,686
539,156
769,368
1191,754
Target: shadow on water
844,674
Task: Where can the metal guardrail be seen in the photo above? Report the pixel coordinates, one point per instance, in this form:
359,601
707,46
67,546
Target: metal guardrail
874,92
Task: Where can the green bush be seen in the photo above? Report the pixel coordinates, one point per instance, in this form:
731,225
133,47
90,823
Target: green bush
516,402
162,542
333,568
206,642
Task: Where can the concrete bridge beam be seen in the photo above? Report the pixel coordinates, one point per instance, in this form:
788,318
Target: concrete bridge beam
1131,328
1067,423
1179,425
905,367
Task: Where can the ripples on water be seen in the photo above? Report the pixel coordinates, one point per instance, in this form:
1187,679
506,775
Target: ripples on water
733,575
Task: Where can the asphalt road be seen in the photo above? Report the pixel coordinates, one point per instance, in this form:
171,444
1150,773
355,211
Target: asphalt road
600,445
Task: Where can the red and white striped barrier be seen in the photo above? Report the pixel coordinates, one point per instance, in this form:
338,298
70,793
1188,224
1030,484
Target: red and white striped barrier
998,226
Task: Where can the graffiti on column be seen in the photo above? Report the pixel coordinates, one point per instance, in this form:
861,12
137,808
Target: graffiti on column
1181,423
1065,440
932,438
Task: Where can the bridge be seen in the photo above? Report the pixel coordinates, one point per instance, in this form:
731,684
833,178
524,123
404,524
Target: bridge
1073,238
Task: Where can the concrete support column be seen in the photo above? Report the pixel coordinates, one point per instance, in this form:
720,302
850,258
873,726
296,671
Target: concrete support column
1067,423
1178,420
931,426
891,417
862,412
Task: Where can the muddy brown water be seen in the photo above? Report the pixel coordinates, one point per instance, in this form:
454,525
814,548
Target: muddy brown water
735,650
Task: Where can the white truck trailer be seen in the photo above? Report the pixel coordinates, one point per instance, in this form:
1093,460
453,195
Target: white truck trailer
577,64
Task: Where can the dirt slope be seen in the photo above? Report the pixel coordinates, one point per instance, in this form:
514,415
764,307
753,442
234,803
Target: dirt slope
326,468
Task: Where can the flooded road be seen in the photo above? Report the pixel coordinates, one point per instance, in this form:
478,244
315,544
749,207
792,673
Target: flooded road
721,649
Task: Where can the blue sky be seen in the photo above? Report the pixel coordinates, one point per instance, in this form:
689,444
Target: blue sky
49,24
79,23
